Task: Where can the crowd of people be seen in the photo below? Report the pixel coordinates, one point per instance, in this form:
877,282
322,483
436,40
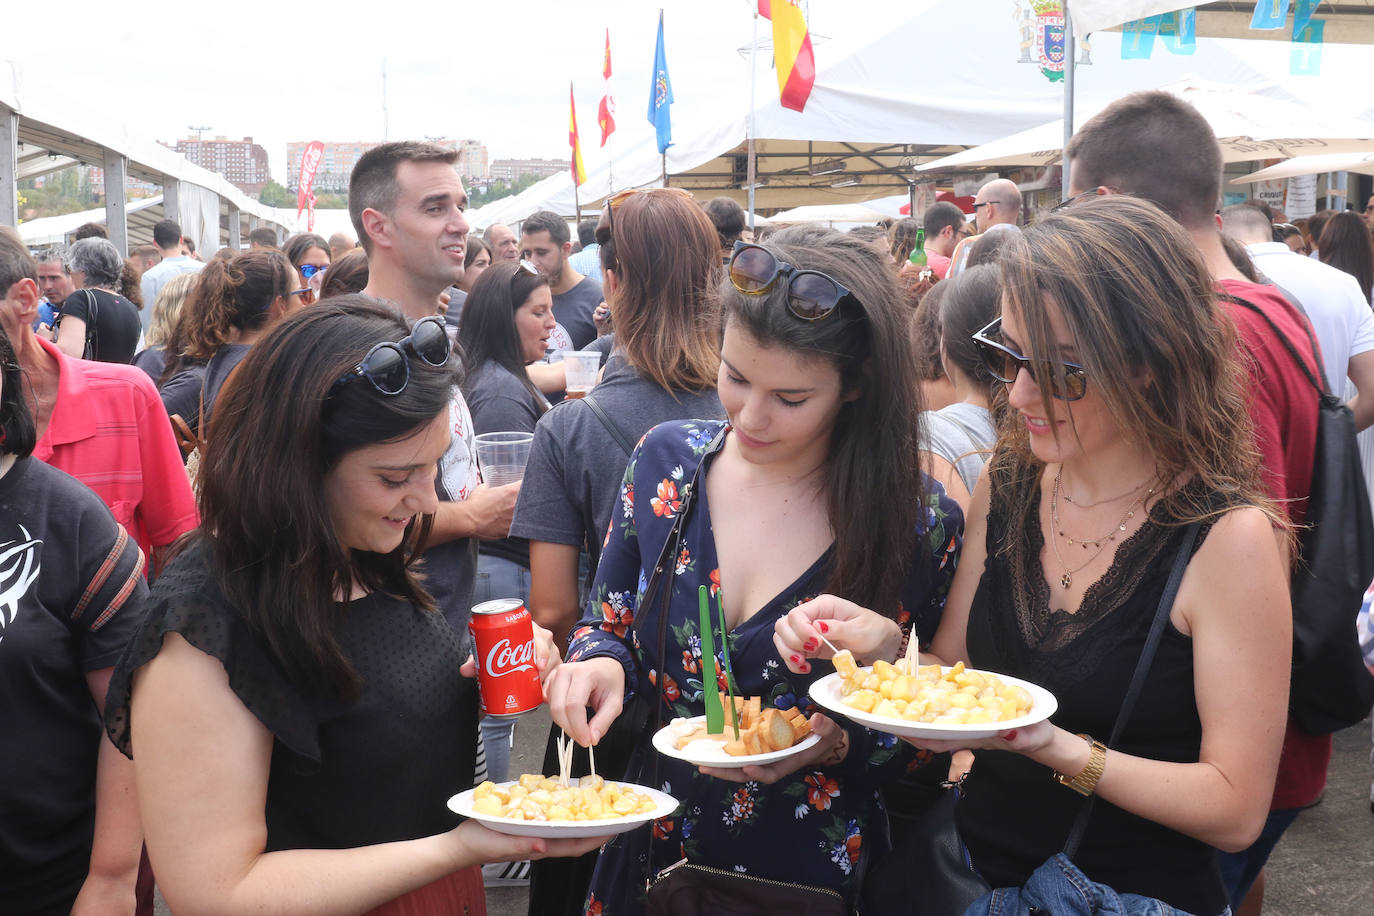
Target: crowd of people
247,677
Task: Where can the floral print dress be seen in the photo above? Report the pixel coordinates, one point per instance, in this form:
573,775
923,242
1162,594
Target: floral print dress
808,827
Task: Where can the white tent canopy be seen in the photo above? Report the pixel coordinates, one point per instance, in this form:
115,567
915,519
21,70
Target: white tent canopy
1248,126
910,83
1362,163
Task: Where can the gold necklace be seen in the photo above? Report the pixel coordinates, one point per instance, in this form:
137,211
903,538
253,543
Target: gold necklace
1110,499
1066,580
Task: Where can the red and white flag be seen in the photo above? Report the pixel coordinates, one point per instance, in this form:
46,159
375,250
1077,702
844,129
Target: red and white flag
605,115
305,197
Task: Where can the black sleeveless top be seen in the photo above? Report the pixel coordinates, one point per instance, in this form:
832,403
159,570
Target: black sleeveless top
343,774
1014,815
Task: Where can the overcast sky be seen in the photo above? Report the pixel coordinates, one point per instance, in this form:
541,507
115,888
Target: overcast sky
497,72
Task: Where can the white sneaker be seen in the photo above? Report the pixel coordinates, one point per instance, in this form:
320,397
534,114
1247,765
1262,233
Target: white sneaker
506,874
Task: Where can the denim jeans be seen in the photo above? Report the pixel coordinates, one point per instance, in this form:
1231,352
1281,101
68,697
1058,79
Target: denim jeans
1060,888
498,577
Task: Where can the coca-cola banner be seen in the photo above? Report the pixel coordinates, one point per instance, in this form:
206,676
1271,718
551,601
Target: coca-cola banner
305,197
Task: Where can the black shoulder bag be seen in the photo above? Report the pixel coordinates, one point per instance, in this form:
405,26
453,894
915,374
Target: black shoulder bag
1331,687
92,316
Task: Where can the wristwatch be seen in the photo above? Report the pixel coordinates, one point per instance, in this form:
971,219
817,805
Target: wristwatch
1086,781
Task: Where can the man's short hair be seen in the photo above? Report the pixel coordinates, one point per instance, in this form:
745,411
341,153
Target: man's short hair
1153,145
58,253
15,261
488,232
166,234
1246,223
1261,206
263,237
939,215
546,221
372,186
90,231
586,232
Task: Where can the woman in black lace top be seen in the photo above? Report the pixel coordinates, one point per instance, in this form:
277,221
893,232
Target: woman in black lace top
293,700
1127,421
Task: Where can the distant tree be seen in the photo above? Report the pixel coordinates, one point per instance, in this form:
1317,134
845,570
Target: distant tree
499,190
274,195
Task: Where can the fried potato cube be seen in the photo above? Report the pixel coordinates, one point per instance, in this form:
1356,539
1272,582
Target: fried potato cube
487,804
845,664
956,669
884,669
902,687
864,700
887,708
871,681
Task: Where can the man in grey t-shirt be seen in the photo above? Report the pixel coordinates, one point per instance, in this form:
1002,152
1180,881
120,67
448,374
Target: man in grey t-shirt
546,242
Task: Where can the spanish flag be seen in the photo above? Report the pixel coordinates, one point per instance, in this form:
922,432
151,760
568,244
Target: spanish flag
579,171
792,55
605,115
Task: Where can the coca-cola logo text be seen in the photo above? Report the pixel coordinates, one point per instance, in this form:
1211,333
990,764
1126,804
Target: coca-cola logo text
503,658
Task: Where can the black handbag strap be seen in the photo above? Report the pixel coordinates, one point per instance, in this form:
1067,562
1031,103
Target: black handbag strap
1142,668
616,434
1318,381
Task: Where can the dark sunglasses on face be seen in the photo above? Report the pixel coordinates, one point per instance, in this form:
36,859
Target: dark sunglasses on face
1067,382
309,270
386,365
811,295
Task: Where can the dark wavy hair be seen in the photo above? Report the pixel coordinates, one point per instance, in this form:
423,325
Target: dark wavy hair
488,332
280,426
233,295
18,435
1345,245
876,436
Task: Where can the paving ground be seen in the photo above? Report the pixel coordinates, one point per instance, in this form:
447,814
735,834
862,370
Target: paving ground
1323,867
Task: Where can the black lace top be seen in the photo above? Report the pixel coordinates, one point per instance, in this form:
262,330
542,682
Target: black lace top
1014,815
342,774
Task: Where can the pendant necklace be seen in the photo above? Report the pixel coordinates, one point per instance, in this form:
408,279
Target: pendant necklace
1066,580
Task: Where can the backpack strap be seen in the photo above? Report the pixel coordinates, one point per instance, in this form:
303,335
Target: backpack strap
1318,381
616,434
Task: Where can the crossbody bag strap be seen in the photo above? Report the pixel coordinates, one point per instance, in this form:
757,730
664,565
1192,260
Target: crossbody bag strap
616,434
1320,385
1142,668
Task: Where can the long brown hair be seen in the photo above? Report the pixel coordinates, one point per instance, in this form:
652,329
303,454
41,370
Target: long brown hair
874,490
1138,300
280,426
1345,245
231,295
666,305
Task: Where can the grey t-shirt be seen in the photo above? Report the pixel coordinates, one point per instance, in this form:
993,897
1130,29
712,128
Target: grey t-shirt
572,480
501,403
450,568
574,309
963,435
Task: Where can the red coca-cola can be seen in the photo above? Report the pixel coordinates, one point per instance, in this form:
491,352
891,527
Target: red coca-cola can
503,638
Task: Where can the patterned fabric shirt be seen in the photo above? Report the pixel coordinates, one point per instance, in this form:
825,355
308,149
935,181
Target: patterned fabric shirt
806,828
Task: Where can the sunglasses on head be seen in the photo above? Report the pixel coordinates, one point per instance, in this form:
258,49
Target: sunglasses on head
811,295
309,270
386,365
604,233
1067,381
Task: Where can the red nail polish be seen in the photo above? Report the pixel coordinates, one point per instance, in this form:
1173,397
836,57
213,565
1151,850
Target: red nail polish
805,667
823,626
795,659
1010,736
811,645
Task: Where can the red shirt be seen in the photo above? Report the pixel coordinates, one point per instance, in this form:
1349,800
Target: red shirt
1283,407
109,430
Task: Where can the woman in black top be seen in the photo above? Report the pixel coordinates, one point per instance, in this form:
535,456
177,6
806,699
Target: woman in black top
1127,422
97,322
294,696
71,595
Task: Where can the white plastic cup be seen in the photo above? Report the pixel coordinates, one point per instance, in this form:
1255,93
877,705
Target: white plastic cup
580,368
502,457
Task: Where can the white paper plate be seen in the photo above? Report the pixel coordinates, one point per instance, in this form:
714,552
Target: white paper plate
665,805
665,742
826,692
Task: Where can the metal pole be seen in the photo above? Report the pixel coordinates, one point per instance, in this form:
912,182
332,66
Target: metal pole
116,212
9,166
577,202
911,199
664,166
1069,53
753,79
235,229
171,198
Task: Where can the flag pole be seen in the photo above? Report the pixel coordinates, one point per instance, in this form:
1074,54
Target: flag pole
753,78
1069,52
664,168
577,202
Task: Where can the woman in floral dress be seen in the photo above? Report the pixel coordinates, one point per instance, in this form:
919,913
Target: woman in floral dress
811,485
